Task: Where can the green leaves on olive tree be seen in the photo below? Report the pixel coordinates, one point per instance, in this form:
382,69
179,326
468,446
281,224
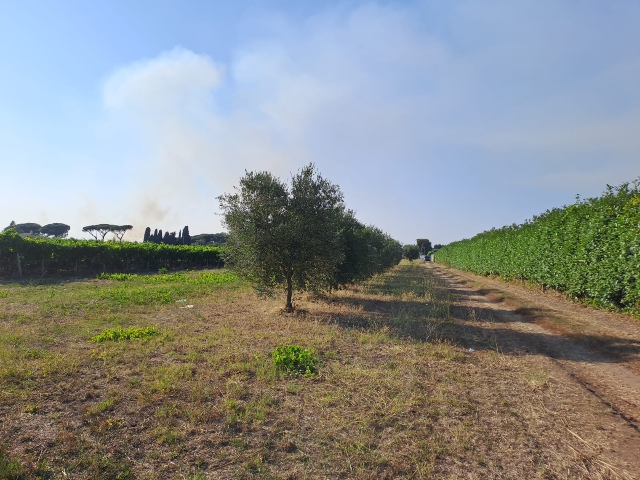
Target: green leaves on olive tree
367,251
298,236
284,235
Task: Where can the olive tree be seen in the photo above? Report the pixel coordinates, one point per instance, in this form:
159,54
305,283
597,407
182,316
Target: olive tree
411,252
284,236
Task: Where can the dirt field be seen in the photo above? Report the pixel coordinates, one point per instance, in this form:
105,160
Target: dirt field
423,373
599,350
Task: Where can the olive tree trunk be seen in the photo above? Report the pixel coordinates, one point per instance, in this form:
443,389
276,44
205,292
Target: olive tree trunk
289,306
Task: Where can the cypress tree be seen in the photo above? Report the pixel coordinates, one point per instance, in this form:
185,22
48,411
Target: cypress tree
147,234
160,239
186,238
155,236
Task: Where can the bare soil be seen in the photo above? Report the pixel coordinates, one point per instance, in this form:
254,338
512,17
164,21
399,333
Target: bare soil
597,351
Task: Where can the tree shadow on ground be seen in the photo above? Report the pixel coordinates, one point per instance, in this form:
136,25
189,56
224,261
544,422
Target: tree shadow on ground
615,349
404,319
477,328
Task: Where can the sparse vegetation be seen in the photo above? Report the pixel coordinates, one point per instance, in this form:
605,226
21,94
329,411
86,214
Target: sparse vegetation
398,395
119,333
209,278
9,469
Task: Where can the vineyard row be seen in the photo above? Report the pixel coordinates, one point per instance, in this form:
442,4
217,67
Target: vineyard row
37,256
590,250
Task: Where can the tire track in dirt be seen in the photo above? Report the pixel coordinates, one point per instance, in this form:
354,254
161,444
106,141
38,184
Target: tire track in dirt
567,334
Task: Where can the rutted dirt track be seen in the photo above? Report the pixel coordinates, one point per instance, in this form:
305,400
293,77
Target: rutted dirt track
599,350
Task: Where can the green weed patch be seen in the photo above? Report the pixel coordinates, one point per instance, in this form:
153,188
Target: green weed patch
178,277
136,296
132,333
9,469
295,360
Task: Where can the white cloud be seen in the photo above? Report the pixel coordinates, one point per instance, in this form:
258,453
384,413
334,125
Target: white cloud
192,150
371,90
177,80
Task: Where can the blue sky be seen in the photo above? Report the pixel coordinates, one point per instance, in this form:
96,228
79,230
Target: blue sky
437,119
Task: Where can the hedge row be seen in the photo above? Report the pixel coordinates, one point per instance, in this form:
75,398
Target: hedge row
40,255
590,250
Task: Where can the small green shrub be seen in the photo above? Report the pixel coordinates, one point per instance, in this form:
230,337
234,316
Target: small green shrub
162,270
295,360
9,469
117,334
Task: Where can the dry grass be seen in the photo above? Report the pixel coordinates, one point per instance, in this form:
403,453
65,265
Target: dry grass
398,395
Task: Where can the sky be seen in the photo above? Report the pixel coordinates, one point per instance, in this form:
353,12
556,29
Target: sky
437,119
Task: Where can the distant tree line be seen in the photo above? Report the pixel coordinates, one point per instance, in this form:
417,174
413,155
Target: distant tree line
101,230
61,230
183,237
210,238
52,230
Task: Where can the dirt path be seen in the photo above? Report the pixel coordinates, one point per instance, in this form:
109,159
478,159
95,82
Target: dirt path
599,350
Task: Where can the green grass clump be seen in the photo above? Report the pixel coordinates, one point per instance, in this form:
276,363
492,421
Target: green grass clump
9,469
296,360
132,333
120,277
214,278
